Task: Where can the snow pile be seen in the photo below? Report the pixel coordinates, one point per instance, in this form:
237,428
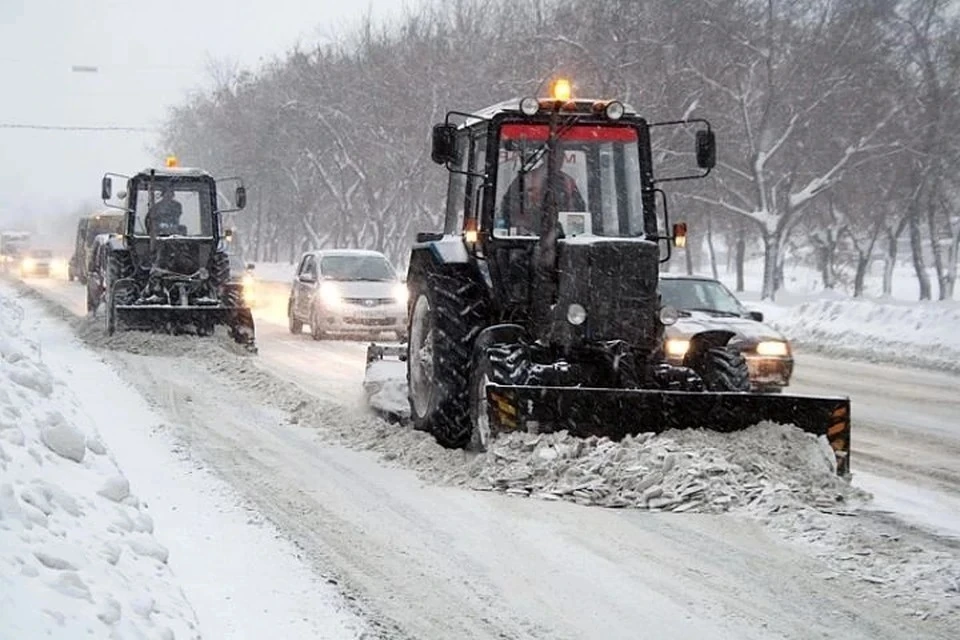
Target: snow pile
77,552
917,333
763,469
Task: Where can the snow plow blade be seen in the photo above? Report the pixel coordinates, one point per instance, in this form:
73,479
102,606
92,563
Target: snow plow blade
385,381
615,413
195,319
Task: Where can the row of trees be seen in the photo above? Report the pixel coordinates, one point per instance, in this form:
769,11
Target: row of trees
837,122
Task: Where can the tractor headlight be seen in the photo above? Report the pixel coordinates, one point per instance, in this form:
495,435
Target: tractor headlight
29,264
529,106
669,315
772,348
614,110
400,293
576,314
330,295
677,347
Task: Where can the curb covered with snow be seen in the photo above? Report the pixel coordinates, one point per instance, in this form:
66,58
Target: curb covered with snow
77,550
915,333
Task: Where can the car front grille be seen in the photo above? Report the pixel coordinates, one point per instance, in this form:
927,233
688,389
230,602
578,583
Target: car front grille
369,302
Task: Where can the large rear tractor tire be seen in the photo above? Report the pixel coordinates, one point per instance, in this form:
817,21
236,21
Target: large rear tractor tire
723,369
448,312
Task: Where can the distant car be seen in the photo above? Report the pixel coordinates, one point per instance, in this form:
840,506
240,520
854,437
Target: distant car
36,263
706,304
347,292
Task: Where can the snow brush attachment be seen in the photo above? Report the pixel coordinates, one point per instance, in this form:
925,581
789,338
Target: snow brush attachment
615,413
189,320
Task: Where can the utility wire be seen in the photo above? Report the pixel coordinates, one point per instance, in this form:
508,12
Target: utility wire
55,127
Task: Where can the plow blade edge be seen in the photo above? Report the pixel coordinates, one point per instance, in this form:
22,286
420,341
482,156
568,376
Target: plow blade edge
615,413
188,319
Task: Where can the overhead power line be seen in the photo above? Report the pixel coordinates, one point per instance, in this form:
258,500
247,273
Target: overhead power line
58,127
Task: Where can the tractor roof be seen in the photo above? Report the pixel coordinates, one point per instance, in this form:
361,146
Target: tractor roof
176,172
583,106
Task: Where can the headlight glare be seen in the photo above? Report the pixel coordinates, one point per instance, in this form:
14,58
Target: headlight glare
400,293
330,295
677,347
772,348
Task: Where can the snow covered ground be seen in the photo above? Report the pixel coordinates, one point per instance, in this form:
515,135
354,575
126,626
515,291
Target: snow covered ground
89,468
768,543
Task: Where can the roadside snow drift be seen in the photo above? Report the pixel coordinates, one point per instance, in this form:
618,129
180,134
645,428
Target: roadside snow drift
913,333
77,552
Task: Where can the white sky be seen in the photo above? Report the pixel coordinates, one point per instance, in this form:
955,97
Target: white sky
149,55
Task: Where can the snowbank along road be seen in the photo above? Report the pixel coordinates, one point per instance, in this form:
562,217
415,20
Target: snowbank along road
771,544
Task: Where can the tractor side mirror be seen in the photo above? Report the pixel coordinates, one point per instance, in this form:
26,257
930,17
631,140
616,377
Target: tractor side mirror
755,315
308,278
444,144
680,235
706,149
106,188
241,197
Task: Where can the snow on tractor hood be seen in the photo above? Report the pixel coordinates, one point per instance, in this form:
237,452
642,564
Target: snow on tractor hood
701,321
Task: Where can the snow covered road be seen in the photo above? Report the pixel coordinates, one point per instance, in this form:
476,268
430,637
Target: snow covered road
429,561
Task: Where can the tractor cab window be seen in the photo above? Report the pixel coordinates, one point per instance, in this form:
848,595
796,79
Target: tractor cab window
597,190
175,208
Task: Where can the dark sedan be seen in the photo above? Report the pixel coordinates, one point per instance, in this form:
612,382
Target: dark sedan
706,304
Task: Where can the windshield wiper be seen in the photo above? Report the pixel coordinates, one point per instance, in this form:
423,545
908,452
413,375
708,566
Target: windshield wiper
729,314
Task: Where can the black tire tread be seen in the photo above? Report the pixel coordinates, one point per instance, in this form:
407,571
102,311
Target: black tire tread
724,369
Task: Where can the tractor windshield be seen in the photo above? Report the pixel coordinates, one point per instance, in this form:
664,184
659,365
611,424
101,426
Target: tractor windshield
177,207
598,191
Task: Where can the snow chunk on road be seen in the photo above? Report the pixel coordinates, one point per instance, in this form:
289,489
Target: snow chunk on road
762,469
67,570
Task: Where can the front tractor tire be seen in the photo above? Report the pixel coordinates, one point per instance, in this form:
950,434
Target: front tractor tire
723,369
446,315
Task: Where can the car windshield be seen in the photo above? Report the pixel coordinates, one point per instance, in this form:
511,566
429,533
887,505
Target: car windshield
598,187
699,295
357,268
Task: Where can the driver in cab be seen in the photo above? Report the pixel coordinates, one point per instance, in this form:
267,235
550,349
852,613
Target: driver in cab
163,218
523,218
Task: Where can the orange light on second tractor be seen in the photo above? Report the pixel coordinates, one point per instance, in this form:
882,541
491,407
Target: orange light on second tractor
561,90
171,161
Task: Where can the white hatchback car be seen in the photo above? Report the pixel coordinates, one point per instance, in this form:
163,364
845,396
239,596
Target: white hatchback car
347,292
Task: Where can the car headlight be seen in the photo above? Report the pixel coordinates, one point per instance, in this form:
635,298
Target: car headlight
29,264
330,295
677,347
400,293
248,281
772,348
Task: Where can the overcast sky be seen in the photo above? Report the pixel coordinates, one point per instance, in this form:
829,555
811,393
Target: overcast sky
149,56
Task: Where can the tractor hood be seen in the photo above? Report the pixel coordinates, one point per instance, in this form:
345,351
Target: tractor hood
748,330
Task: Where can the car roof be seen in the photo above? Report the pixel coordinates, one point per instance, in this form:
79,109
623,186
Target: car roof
683,276
323,253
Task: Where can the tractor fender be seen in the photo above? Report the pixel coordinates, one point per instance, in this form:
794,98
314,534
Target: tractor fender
445,248
705,340
115,242
499,333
